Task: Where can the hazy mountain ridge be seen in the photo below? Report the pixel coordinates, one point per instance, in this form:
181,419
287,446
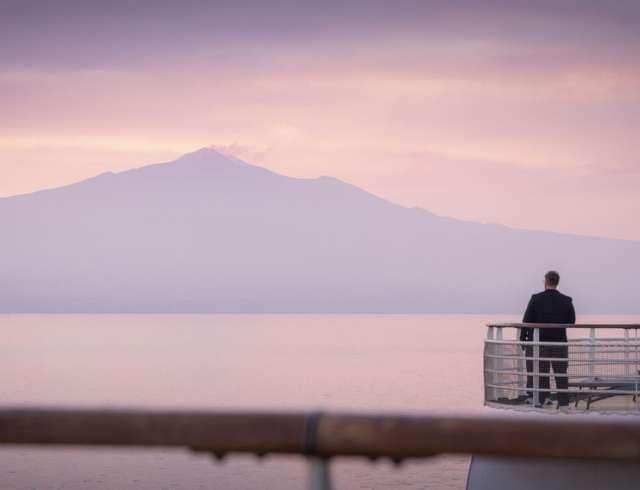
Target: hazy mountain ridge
209,233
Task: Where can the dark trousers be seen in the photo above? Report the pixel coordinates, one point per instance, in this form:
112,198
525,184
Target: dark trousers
559,371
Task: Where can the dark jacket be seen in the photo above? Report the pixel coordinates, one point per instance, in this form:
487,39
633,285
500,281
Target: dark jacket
549,306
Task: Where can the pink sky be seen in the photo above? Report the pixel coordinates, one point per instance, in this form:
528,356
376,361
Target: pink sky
515,115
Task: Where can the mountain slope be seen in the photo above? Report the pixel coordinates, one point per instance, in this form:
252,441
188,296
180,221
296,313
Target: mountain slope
209,233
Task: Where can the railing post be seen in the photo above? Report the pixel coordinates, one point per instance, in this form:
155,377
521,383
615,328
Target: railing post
536,367
627,370
499,364
489,393
635,368
522,366
319,474
592,350
636,371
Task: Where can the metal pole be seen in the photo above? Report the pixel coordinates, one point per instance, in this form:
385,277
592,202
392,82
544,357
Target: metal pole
635,342
536,366
522,367
635,368
319,474
499,364
490,393
627,367
339,435
592,350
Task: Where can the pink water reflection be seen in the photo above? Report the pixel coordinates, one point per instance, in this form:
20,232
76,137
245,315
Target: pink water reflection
353,362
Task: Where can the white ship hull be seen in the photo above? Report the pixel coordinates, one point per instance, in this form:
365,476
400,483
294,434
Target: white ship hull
492,473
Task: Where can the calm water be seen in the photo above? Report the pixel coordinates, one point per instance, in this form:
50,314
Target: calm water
381,363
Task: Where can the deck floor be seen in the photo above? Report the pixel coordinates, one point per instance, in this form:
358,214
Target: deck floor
612,403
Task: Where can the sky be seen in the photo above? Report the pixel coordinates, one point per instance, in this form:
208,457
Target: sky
520,113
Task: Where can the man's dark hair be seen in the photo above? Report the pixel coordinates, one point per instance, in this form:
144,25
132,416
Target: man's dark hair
552,278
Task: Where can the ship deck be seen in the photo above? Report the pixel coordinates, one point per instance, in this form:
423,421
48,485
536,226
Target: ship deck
596,371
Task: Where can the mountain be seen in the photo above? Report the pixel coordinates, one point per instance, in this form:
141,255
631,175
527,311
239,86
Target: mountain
210,233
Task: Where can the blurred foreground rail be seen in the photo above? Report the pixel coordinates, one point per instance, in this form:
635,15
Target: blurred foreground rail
320,436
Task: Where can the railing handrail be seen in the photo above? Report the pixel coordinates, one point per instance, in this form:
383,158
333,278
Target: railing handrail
327,435
631,326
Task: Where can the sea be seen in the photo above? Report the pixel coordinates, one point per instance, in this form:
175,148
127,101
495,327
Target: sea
387,364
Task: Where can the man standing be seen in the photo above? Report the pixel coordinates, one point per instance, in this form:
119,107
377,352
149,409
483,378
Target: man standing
549,306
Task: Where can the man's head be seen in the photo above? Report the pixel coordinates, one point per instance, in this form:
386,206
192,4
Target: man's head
551,280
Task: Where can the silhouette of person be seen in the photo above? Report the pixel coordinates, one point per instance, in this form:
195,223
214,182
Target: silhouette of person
549,306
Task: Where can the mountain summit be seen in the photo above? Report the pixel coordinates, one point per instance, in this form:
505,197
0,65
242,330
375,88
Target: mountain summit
211,233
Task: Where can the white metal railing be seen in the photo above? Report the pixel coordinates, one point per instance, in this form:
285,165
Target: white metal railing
585,370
